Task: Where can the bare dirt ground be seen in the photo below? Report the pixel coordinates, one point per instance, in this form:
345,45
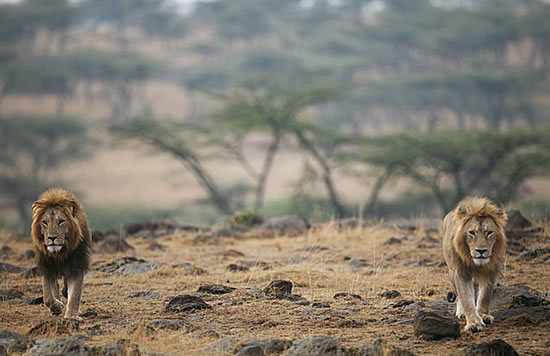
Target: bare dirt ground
320,263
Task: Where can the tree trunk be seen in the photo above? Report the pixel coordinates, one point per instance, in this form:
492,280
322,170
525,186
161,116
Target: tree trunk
268,162
375,193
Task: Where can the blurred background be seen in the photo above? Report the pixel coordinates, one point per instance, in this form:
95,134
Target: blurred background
193,110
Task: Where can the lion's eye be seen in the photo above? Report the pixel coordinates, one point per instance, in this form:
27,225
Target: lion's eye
44,222
472,233
61,222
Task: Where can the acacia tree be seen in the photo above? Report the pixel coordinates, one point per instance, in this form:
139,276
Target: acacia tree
31,151
453,164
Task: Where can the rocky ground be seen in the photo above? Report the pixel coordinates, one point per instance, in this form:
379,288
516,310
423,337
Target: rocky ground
285,287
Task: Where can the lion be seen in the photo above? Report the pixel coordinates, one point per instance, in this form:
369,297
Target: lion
62,239
474,246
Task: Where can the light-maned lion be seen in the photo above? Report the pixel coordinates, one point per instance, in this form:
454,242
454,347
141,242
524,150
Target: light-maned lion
62,239
474,246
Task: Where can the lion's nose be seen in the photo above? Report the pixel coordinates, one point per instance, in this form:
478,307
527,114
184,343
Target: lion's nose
481,251
52,238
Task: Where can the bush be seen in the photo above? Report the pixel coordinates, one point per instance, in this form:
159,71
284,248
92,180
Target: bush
245,217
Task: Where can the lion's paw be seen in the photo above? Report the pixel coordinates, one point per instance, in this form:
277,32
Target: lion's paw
56,307
487,318
459,314
475,325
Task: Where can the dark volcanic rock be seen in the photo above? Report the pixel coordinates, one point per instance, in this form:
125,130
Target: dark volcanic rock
216,289
435,325
395,240
13,342
7,268
155,246
5,252
279,288
27,255
516,220
237,268
122,347
269,346
390,294
316,346
169,324
495,347
71,346
54,327
127,265
10,294
506,296
380,348
539,253
146,293
347,296
182,303
526,315
286,224
252,350
152,230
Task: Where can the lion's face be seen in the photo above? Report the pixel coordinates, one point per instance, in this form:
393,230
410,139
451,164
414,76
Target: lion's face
481,235
54,229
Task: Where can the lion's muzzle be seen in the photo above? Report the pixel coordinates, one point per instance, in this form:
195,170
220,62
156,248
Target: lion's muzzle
53,245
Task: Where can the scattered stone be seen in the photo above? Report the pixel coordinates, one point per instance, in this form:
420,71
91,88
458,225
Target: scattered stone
31,273
36,301
27,255
296,259
506,296
395,240
147,293
89,314
190,269
347,296
524,315
127,265
155,246
390,294
441,306
316,346
380,348
435,325
442,264
169,324
5,252
269,346
122,347
10,294
237,268
451,297
416,262
13,342
252,350
358,262
7,268
286,224
152,230
541,254
73,346
232,253
320,305
495,347
216,289
54,327
110,242
222,345
229,231
182,303
399,304
313,248
279,288
516,220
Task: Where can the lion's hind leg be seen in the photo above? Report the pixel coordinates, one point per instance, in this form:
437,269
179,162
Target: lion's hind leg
74,292
50,291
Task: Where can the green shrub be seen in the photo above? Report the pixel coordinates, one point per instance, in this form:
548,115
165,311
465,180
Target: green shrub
245,217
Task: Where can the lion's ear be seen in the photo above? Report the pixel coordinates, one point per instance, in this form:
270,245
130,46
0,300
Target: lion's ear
460,212
74,208
501,215
36,205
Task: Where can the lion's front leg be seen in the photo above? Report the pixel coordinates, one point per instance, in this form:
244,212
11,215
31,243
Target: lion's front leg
466,298
484,300
50,291
74,292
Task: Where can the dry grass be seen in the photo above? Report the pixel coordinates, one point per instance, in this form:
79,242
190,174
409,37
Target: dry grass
246,314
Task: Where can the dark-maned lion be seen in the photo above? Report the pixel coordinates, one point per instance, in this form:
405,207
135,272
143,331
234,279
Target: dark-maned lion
62,239
474,246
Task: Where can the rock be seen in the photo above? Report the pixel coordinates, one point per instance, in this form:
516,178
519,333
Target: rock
147,293
252,350
269,346
279,288
31,273
127,265
516,220
222,345
539,253
190,269
525,315
416,263
36,301
320,305
228,231
54,327
441,305
73,346
390,294
380,348
7,268
313,248
5,252
2,350
154,229
347,296
350,223
399,304
122,347
358,262
182,303
435,325
316,346
237,268
155,246
10,294
286,224
216,289
451,297
395,241
495,347
109,242
13,342
506,296
169,324
27,255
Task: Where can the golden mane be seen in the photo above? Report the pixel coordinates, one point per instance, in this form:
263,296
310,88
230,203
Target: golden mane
480,207
71,206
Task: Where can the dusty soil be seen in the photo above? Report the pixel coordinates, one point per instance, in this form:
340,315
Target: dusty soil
320,263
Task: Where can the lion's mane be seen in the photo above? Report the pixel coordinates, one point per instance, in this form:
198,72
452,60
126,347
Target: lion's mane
75,258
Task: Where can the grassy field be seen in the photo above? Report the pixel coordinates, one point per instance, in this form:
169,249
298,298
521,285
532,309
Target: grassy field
320,263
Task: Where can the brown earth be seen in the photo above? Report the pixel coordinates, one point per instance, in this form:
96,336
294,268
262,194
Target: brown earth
320,263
